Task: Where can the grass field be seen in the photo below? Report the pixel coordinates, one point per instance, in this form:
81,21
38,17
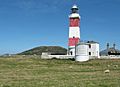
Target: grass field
35,72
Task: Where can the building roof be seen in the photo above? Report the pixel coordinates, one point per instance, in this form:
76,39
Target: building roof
82,43
75,6
91,42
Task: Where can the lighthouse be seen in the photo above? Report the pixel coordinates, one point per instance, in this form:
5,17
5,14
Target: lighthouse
74,30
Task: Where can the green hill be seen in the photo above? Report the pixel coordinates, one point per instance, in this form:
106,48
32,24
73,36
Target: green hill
54,50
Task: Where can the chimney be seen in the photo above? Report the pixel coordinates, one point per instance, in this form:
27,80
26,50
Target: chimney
107,46
114,45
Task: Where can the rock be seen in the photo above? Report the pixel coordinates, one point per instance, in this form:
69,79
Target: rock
70,67
108,65
116,66
107,71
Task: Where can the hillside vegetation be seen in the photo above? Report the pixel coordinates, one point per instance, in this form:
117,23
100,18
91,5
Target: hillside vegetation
35,72
52,49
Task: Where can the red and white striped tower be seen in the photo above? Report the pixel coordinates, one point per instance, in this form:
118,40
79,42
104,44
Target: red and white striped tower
74,30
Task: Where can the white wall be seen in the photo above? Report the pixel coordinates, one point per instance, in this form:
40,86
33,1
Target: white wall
82,52
57,56
94,50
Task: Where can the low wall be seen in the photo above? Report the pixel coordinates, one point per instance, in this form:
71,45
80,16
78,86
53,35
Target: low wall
62,57
57,56
71,57
110,57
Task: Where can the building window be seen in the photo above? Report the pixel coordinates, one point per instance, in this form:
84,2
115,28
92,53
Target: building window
89,53
89,45
71,52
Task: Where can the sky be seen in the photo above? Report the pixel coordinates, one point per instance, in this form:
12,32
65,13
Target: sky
25,24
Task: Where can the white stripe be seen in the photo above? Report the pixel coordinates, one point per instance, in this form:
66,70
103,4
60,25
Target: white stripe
74,32
73,15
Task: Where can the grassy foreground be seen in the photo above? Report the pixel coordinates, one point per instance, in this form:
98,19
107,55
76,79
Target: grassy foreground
34,72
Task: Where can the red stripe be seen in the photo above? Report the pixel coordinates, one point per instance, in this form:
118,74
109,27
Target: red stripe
73,41
74,22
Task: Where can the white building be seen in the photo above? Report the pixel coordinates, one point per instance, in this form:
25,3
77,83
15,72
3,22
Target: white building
93,49
87,50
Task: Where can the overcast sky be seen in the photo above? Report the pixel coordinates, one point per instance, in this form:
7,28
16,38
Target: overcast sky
26,24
